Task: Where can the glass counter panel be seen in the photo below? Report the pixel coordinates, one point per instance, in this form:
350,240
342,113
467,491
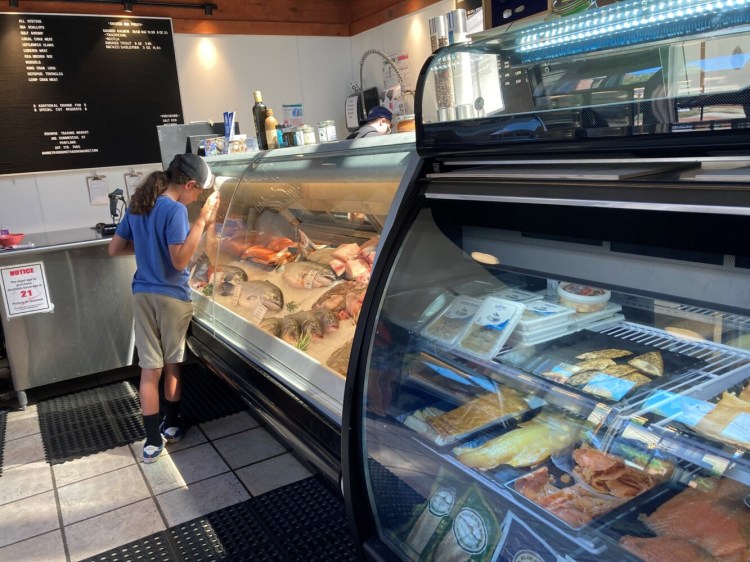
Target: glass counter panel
547,406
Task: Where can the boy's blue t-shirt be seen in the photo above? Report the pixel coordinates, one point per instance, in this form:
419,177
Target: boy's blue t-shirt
166,224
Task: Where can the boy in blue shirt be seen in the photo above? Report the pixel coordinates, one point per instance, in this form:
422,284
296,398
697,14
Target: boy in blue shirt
155,228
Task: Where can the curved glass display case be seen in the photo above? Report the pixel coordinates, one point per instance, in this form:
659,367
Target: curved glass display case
555,363
280,278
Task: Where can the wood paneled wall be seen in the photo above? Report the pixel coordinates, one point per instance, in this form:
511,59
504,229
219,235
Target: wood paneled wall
335,18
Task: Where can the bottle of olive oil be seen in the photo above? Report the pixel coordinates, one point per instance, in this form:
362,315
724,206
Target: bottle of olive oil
270,127
259,118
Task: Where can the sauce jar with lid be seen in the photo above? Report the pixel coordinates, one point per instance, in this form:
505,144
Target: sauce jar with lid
583,298
327,131
299,136
308,133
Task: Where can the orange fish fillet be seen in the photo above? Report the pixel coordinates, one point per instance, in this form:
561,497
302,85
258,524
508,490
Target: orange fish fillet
693,515
664,549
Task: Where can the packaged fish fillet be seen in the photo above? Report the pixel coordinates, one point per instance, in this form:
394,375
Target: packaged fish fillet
490,327
454,319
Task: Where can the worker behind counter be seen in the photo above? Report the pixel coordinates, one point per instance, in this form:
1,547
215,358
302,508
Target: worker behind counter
377,122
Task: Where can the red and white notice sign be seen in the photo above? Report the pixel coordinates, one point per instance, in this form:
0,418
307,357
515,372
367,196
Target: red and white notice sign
24,289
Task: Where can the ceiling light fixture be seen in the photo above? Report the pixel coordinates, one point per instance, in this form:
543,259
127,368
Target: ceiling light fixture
128,6
14,4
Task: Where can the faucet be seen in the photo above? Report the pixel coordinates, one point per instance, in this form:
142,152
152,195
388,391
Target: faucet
390,61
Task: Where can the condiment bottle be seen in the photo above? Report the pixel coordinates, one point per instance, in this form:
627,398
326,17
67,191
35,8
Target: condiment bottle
259,117
272,140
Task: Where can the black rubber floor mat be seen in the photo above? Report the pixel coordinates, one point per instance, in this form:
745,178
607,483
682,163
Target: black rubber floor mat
88,422
233,533
154,548
3,420
205,396
308,520
301,522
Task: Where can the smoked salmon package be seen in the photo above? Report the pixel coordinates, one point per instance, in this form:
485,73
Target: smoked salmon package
583,490
704,519
601,365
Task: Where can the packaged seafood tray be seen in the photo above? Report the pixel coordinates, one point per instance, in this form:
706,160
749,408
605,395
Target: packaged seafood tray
542,315
539,336
490,327
723,419
582,490
584,320
612,369
458,406
449,324
518,295
446,424
480,289
704,519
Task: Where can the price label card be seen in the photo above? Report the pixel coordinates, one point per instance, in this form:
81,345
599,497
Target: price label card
24,290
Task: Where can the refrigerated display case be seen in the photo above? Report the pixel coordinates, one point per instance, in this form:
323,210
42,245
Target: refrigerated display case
555,361
277,283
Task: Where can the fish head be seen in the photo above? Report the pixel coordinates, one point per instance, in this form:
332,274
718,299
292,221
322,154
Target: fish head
272,297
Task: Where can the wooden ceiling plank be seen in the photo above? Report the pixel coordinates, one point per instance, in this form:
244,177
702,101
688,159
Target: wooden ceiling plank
253,17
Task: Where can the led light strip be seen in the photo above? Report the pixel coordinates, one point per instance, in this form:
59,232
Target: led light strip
629,22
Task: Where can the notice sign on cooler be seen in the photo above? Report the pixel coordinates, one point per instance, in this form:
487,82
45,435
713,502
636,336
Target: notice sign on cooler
24,289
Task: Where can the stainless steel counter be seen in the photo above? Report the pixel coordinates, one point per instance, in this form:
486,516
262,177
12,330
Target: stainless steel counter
90,327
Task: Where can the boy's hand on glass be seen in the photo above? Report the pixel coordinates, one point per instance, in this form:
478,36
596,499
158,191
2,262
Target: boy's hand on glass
210,208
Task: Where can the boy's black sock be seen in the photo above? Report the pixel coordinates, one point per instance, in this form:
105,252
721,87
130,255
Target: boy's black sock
151,423
172,413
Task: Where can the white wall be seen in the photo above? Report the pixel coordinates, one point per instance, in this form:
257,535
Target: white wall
218,73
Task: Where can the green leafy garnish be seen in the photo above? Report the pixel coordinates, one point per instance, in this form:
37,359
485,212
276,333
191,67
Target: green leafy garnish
303,342
291,306
208,290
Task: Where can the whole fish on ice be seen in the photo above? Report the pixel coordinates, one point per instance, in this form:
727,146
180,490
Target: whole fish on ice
262,292
308,275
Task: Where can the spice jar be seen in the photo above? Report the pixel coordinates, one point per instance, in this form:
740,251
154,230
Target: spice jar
299,136
308,134
327,131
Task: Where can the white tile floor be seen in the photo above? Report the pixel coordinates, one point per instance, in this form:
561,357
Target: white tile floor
83,507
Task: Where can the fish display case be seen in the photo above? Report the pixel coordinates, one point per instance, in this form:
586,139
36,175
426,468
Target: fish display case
555,359
277,283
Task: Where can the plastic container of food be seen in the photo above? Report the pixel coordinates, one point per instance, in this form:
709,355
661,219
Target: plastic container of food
446,327
491,327
542,315
539,336
518,295
583,298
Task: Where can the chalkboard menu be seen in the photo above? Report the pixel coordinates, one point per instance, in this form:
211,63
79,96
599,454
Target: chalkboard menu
84,91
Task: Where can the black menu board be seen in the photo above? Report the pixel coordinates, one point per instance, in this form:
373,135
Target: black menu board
84,91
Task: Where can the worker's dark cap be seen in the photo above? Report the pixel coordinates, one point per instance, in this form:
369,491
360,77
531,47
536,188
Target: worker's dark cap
376,113
194,167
